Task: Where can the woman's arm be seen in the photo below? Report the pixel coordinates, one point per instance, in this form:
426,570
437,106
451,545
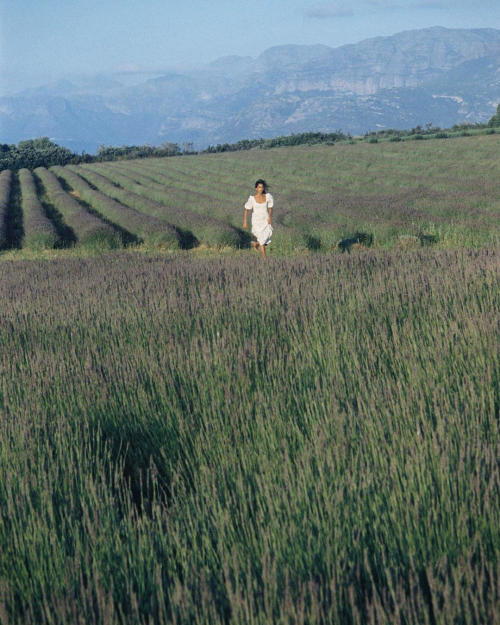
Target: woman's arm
248,208
270,207
245,224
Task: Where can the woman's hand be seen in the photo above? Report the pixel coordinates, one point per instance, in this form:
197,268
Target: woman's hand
269,219
245,225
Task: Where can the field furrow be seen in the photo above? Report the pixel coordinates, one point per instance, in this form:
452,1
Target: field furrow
229,192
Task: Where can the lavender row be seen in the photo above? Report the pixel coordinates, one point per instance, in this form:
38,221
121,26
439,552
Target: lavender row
39,231
148,198
152,231
90,231
5,193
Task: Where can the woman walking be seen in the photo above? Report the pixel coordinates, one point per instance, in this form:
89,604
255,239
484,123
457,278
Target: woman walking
262,204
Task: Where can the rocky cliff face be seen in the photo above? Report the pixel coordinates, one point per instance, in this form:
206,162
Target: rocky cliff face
434,75
408,59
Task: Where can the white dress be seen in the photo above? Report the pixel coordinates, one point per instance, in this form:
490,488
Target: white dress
260,228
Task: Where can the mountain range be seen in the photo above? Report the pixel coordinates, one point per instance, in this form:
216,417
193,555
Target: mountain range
435,75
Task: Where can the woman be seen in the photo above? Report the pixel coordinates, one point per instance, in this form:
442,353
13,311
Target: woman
262,204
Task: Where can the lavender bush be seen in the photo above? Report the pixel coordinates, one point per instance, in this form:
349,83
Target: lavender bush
5,194
39,231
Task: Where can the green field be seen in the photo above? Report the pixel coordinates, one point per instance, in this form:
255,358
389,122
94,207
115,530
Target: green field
190,434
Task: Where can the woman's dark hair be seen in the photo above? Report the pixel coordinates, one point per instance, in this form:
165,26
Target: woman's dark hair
261,181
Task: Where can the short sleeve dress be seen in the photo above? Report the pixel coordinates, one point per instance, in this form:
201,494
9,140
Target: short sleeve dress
260,228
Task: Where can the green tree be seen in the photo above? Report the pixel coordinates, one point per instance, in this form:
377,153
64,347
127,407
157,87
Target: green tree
495,120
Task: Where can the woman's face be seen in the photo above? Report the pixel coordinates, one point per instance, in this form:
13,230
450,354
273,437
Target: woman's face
260,188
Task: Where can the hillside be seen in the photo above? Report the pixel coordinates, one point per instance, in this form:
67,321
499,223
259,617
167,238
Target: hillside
436,75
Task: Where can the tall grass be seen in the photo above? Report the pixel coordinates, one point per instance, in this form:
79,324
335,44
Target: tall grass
5,193
39,231
91,232
313,439
154,232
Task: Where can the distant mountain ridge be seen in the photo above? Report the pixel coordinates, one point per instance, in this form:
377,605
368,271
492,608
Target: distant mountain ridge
435,75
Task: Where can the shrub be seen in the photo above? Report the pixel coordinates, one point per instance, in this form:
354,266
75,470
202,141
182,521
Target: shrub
408,241
495,120
441,135
358,240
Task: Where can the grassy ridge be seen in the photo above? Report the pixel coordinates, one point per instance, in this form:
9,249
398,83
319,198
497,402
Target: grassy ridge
313,440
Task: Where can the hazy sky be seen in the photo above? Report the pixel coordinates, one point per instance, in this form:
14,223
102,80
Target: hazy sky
45,39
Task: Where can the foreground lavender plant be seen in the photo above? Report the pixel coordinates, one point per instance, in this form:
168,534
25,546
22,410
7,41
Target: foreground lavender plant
188,440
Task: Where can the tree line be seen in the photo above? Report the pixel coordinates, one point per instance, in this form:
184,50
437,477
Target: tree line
43,152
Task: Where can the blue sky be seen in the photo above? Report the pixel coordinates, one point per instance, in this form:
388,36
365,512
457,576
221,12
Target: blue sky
45,39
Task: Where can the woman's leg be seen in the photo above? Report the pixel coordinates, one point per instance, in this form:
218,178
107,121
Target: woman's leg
263,250
255,245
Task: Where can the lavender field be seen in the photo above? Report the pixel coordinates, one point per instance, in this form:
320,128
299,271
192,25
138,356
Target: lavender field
315,439
412,194
190,434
